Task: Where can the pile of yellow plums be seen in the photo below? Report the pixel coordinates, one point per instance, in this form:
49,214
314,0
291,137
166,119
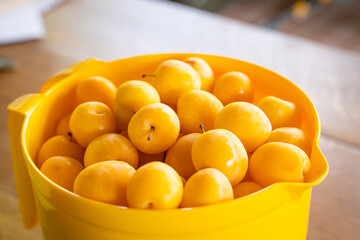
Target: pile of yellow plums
176,138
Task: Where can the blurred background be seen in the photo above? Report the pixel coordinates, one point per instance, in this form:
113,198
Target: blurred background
314,43
333,22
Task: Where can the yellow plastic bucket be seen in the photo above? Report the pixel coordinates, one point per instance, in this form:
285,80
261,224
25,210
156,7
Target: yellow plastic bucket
279,211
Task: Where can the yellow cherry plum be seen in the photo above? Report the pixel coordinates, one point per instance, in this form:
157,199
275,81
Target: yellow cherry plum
63,127
60,146
62,170
247,175
281,113
125,134
96,89
183,180
130,97
197,107
222,150
105,182
204,70
90,120
205,187
247,122
145,158
246,188
172,78
111,146
233,87
278,162
179,155
294,136
154,128
155,185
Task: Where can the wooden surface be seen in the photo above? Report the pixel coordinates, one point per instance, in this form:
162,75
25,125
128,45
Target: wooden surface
114,29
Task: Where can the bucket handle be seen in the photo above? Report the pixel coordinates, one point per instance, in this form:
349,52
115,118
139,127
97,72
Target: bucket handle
18,112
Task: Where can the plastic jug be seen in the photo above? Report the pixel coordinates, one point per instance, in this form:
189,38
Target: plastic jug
279,211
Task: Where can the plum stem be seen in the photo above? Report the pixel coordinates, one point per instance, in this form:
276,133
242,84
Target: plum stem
151,130
148,75
70,136
202,128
